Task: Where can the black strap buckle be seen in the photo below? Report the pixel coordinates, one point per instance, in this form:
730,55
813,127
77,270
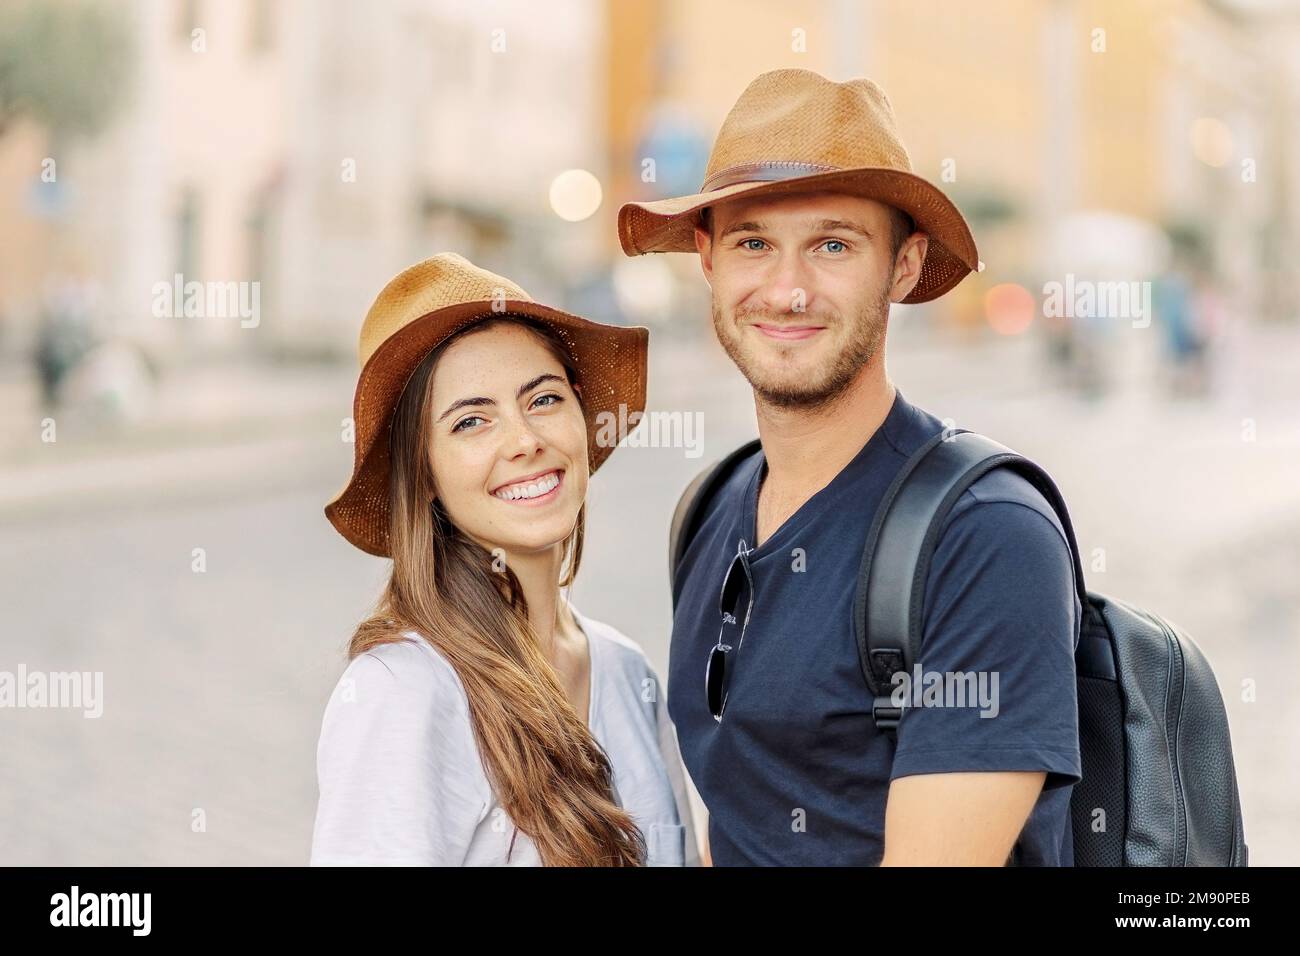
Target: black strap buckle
886,713
885,663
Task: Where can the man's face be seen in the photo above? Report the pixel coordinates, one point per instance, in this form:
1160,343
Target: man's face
801,289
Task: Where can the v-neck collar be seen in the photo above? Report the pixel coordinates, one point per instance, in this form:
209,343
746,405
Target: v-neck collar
749,522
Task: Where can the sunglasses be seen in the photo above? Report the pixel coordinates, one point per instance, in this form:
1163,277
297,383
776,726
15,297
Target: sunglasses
738,579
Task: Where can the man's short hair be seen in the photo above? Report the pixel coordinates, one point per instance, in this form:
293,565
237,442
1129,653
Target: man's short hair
901,225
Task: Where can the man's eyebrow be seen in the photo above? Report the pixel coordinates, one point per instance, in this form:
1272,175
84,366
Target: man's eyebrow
750,226
825,225
830,225
523,389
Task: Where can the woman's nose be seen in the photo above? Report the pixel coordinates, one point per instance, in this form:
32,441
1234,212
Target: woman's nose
521,438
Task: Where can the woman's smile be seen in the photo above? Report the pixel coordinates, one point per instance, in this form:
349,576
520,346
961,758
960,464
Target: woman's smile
534,490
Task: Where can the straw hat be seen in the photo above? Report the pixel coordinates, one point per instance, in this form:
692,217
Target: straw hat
796,131
415,312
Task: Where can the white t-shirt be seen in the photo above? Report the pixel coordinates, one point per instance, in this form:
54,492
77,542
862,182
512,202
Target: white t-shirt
401,781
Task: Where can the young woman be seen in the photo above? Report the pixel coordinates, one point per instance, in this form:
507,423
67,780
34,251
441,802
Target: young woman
482,719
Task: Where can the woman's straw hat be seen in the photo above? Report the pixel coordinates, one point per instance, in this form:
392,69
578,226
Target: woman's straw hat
417,310
796,131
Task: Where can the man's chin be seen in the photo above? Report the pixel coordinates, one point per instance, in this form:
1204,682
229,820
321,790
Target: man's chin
787,392
783,372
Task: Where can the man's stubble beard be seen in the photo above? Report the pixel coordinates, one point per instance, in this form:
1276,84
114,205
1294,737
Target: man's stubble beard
825,384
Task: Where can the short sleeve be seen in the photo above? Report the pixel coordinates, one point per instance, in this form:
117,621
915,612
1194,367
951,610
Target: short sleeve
399,775
997,675
672,759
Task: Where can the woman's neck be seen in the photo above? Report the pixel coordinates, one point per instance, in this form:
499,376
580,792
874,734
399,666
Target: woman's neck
548,612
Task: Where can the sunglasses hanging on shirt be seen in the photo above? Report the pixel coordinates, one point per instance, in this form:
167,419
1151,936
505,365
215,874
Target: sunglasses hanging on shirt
738,580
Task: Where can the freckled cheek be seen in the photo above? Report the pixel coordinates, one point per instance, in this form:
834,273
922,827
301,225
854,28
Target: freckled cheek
567,435
462,473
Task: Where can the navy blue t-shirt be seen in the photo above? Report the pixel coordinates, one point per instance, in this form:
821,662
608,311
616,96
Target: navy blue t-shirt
796,773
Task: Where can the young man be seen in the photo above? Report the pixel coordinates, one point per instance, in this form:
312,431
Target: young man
808,225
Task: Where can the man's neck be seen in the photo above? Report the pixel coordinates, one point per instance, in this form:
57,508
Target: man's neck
807,448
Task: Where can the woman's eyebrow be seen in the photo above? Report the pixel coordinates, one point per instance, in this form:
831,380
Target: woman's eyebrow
532,384
462,403
524,388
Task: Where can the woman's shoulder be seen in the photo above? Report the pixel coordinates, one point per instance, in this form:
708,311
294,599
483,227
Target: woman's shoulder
609,635
616,652
397,768
407,673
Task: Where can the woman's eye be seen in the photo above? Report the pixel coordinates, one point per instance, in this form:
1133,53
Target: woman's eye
539,400
464,422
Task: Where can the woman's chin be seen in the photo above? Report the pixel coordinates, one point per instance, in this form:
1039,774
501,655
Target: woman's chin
532,535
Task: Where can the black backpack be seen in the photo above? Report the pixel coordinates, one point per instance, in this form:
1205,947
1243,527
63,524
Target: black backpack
1153,732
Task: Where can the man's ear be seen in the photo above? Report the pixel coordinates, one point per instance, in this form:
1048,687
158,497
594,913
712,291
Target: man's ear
704,246
907,265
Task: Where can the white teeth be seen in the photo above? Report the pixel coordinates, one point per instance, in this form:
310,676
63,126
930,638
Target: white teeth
534,490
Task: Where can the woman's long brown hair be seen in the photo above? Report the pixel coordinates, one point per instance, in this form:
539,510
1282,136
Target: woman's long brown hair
550,775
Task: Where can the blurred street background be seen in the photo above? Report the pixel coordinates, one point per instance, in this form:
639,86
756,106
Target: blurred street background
302,153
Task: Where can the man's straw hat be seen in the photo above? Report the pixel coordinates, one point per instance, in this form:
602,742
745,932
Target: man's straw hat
796,131
415,312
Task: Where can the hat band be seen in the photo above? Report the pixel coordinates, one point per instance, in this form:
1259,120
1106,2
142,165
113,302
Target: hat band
762,172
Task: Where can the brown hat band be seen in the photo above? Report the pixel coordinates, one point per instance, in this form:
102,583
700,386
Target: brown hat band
764,172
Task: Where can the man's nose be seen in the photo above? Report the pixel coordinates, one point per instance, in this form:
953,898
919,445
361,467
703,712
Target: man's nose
786,288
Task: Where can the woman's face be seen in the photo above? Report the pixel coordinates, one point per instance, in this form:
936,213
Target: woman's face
509,442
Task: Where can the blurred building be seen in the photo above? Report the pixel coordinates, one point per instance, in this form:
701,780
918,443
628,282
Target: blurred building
316,147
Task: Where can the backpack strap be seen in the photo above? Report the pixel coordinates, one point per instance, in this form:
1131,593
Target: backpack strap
887,605
692,503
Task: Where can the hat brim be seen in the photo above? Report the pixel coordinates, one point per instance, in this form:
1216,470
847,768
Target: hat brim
668,225
611,362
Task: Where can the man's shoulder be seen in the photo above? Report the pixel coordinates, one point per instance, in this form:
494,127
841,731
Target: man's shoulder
991,497
995,499
728,492
1003,534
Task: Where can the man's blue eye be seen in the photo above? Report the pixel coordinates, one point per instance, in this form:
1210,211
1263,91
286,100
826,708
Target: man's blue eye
836,242
746,244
